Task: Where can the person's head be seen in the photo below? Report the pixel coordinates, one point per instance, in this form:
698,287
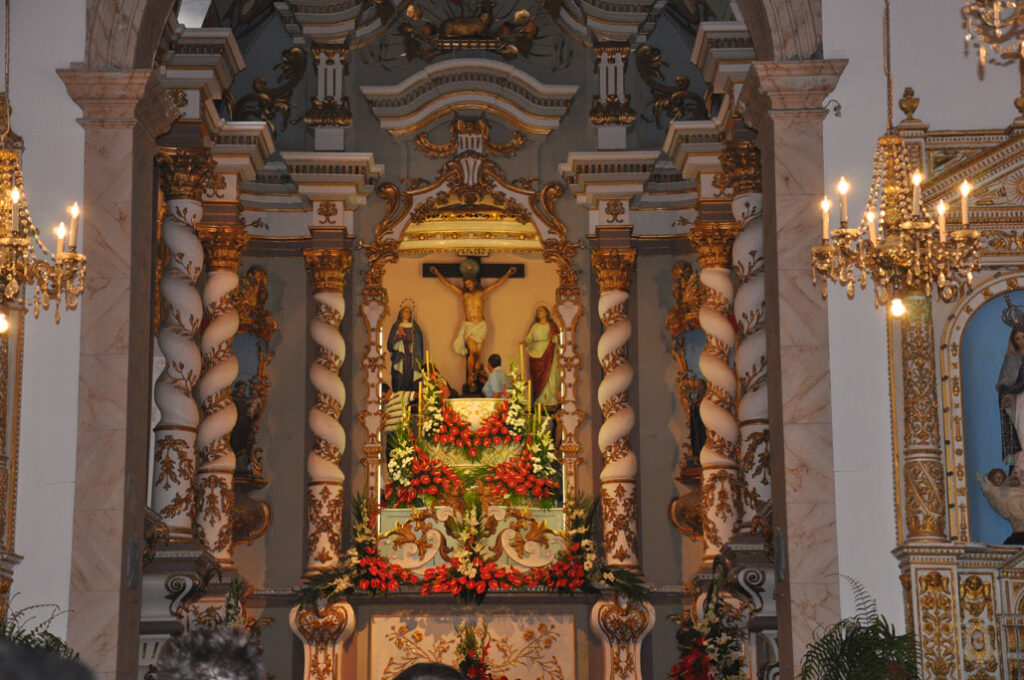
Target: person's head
21,663
430,671
385,390
210,654
1017,338
405,314
494,361
542,314
469,284
997,476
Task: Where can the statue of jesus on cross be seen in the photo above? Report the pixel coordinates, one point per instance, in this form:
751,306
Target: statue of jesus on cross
470,339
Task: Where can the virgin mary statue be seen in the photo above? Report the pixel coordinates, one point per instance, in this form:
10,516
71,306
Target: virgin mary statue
542,349
1011,388
405,341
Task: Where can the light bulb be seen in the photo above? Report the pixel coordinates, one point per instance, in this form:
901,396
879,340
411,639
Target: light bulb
869,216
4,323
897,308
965,188
843,187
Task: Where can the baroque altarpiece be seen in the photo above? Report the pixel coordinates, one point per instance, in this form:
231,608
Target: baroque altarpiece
472,316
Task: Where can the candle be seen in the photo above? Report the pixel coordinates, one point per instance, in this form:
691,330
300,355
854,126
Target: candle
941,210
61,231
915,179
965,189
843,188
15,197
73,231
826,205
869,216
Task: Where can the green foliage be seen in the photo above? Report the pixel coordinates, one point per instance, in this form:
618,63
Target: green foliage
28,628
861,646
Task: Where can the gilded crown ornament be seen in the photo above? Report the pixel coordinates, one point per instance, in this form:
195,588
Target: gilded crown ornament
897,243
57,277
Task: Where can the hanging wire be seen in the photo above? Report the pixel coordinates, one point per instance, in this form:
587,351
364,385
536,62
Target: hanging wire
886,56
7,72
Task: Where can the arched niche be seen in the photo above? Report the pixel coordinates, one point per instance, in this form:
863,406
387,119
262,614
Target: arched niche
971,350
468,183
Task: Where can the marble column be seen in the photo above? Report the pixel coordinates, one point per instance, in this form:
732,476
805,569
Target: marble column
123,112
325,493
215,495
719,461
782,101
614,270
741,168
185,173
924,470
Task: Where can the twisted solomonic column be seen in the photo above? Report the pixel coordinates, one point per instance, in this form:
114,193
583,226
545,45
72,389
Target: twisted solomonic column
720,479
183,179
614,270
325,494
741,168
215,492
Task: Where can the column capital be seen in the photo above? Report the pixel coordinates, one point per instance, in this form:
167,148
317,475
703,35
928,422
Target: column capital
185,173
120,99
613,267
223,245
773,86
329,267
741,167
713,241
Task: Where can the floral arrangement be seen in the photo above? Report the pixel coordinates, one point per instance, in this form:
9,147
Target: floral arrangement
710,647
471,571
472,651
531,477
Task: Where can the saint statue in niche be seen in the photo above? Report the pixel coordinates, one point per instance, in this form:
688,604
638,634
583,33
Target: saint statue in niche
405,341
471,335
1010,386
541,345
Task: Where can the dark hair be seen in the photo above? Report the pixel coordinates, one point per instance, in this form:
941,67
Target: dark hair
1013,337
429,671
209,654
22,663
494,360
384,387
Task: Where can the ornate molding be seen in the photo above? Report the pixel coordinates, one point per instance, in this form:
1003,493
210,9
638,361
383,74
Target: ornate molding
469,134
185,173
482,85
613,268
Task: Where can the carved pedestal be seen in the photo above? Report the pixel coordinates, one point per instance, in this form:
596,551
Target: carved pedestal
622,625
323,631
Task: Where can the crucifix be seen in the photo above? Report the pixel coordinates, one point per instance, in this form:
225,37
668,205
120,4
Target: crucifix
471,335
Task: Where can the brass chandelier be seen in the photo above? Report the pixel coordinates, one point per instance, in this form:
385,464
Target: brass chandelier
57,277
902,246
996,27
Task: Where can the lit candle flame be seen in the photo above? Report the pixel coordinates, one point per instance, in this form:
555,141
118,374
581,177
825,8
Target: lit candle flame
941,208
61,230
965,188
826,204
15,195
897,308
916,178
843,187
74,209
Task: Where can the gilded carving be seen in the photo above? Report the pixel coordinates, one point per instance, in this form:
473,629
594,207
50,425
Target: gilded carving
741,167
266,102
328,112
676,102
713,242
479,129
612,111
327,211
613,268
329,268
622,625
978,628
614,210
322,631
324,512
223,246
185,173
937,636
